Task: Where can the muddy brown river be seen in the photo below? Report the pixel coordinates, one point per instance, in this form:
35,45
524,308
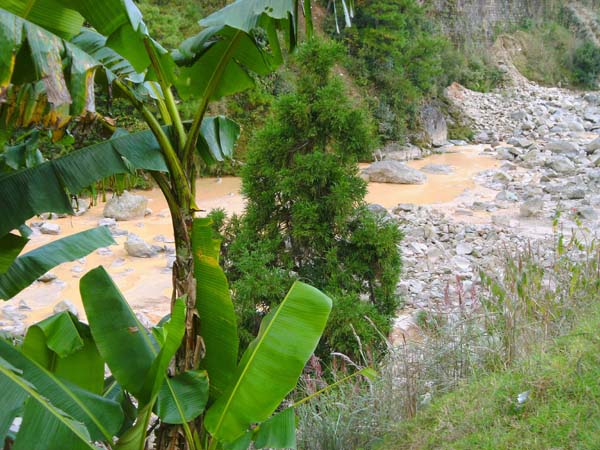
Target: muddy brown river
146,283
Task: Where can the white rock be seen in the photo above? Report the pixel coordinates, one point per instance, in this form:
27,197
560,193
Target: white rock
50,228
126,206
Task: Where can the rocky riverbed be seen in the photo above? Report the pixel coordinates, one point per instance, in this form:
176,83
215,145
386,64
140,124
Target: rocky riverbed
537,153
546,141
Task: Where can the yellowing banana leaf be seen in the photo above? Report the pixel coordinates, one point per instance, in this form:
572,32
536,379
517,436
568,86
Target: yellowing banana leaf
270,367
45,54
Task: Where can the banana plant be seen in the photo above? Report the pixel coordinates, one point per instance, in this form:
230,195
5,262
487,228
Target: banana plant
56,379
52,55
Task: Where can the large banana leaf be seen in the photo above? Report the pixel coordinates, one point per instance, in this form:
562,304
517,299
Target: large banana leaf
49,14
217,317
232,52
219,60
270,367
119,20
248,15
183,398
29,267
43,420
102,417
45,188
114,65
121,339
169,337
10,247
64,346
133,358
277,432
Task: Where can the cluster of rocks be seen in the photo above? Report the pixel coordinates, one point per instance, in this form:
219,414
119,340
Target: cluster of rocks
526,111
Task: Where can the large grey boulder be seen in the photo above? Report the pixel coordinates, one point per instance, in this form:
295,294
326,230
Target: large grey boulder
138,248
393,172
400,152
434,125
126,206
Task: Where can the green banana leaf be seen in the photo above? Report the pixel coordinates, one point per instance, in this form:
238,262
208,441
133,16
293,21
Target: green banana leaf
114,65
214,305
247,15
270,367
101,417
121,339
41,418
10,247
277,432
22,155
169,337
192,388
29,267
131,353
119,20
44,188
218,137
114,391
226,51
64,346
226,47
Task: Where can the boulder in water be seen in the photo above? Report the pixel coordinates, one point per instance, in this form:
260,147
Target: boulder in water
126,206
394,172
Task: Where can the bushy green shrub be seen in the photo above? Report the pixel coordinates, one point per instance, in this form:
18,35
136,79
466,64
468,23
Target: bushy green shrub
470,66
586,64
305,217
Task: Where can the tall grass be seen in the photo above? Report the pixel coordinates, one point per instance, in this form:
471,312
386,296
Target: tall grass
537,293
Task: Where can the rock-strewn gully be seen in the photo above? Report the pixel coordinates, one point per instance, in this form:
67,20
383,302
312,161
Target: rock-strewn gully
541,154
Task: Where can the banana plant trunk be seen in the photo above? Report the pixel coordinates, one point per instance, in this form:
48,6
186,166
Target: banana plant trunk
171,437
